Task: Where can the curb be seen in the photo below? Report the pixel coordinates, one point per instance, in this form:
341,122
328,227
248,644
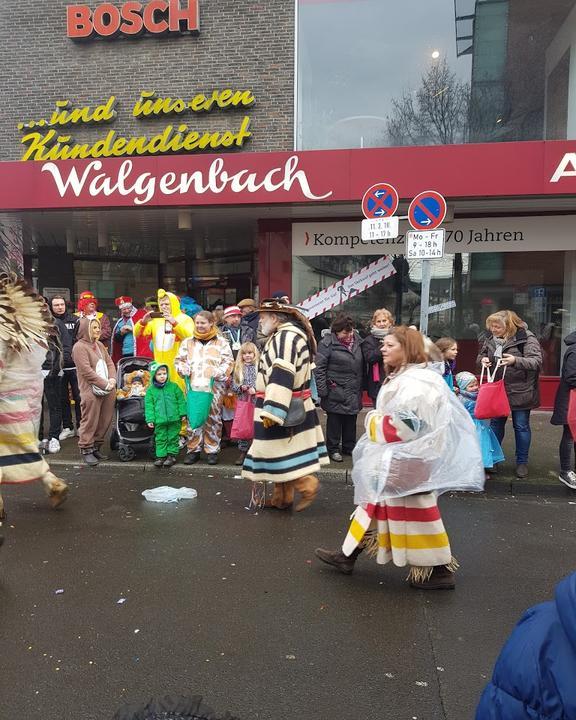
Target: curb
341,476
495,487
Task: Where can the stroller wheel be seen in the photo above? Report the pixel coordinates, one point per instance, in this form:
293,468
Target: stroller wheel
114,440
126,453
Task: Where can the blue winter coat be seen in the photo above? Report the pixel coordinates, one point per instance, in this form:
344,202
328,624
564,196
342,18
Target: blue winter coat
535,674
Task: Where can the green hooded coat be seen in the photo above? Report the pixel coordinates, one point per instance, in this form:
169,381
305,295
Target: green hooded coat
165,404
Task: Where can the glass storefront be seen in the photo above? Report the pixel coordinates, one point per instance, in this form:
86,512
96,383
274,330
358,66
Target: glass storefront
134,253
530,283
375,73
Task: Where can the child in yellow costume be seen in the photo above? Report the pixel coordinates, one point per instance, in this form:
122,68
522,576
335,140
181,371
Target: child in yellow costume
166,332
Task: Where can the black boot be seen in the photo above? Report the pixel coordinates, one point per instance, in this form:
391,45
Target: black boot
89,456
441,578
99,454
212,458
191,458
336,558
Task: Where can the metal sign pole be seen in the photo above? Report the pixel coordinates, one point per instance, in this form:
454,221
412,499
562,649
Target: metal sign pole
425,296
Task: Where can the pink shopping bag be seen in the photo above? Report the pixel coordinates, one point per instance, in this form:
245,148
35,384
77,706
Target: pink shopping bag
243,424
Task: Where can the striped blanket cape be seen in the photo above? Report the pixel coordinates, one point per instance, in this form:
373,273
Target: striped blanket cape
409,531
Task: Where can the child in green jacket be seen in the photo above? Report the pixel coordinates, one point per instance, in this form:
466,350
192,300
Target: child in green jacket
165,408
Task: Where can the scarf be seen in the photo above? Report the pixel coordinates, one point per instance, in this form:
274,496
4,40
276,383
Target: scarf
347,342
449,366
379,333
210,335
469,395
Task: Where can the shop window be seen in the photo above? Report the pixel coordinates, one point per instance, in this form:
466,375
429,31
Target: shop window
530,283
376,74
108,280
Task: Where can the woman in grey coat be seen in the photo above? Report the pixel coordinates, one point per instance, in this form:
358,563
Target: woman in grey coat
339,370
520,356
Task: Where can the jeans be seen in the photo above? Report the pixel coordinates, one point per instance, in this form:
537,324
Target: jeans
522,433
567,447
340,426
70,378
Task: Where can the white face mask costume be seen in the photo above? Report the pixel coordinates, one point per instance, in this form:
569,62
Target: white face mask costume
267,325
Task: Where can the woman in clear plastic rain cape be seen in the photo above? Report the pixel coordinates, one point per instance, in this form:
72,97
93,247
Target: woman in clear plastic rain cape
419,442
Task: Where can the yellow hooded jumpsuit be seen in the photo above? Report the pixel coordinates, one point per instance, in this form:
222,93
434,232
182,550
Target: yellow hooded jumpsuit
166,338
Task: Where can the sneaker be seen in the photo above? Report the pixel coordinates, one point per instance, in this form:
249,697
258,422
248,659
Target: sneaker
336,457
170,460
159,462
568,478
212,459
53,446
67,433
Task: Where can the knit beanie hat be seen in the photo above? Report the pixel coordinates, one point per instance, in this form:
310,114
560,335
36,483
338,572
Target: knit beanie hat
463,379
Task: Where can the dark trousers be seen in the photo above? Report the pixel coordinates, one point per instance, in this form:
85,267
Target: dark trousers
70,380
340,427
52,399
567,447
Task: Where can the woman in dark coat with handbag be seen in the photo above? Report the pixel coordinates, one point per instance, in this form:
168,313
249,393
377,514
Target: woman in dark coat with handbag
560,414
518,352
382,324
339,374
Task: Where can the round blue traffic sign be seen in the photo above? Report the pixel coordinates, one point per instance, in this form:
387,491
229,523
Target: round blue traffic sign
427,211
380,201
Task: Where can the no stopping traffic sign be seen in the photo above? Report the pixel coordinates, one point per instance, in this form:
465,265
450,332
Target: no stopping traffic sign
427,211
380,201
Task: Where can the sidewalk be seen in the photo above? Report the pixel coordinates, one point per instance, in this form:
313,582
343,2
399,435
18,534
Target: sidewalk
543,465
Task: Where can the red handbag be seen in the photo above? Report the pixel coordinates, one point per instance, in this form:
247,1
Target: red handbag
243,424
571,417
492,398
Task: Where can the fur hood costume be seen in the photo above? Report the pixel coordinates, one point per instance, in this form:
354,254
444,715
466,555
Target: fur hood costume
165,337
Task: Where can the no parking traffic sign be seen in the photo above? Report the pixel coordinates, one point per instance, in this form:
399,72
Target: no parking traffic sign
427,211
380,201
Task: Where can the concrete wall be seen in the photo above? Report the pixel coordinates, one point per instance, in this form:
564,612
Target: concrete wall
243,44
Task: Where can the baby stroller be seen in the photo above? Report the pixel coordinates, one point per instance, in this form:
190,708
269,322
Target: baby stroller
130,428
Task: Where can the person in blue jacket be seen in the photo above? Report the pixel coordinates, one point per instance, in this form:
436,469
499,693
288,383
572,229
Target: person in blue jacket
535,675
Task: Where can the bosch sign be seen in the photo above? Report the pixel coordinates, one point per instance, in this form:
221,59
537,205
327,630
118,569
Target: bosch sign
132,19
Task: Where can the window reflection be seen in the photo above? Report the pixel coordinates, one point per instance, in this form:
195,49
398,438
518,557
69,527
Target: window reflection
377,72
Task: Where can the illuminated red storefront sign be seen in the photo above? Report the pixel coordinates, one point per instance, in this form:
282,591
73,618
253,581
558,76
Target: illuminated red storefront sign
132,19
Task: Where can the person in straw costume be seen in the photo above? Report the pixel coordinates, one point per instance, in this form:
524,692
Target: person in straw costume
288,446
25,324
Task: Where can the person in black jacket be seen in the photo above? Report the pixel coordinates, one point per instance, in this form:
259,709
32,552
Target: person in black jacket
382,323
339,365
66,323
560,414
52,373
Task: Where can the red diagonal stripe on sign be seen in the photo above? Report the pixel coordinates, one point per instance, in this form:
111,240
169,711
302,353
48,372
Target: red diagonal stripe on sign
426,212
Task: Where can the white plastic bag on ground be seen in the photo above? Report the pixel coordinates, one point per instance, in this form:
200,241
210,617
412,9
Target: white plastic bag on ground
167,494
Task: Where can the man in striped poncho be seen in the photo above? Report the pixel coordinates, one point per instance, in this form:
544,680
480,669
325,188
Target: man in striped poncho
282,452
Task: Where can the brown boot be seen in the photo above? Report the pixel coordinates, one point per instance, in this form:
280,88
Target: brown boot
307,486
56,489
440,578
336,558
282,497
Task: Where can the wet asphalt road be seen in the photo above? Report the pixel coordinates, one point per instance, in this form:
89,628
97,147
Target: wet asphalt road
232,604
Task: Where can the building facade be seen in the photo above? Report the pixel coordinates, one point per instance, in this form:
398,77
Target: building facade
230,144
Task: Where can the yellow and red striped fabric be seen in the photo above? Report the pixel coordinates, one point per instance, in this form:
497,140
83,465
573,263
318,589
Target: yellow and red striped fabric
410,531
